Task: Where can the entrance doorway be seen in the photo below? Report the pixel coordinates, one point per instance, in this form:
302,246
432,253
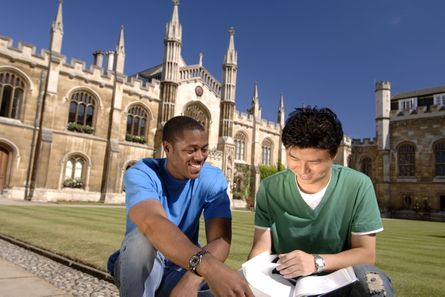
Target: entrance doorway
4,158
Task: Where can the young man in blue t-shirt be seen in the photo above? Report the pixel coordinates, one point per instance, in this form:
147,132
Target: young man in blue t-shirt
160,255
317,216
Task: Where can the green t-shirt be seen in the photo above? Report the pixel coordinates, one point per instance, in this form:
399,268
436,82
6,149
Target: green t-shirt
349,206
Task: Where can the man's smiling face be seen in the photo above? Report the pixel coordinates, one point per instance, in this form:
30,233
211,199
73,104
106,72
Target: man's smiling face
186,156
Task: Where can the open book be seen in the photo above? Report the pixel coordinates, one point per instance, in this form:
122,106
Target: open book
258,273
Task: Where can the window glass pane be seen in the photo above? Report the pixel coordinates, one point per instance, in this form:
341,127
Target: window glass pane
142,128
135,126
129,123
72,114
81,114
241,150
90,113
6,101
18,95
78,170
69,169
439,156
406,160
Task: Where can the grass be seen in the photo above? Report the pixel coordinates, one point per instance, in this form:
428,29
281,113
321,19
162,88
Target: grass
410,252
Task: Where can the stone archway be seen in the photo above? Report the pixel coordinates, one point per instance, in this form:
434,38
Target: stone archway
200,113
4,165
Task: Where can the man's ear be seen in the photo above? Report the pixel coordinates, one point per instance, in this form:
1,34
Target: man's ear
166,146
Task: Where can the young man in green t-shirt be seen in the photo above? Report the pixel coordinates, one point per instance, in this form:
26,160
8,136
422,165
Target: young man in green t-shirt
318,216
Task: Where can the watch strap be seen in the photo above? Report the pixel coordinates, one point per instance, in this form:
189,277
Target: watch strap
195,260
319,263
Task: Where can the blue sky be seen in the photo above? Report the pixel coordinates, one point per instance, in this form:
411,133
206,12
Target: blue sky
314,52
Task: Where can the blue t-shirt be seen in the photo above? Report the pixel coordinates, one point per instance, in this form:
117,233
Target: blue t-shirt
183,200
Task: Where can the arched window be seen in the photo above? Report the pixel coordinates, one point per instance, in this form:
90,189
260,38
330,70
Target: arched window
12,90
197,112
366,166
439,158
240,146
266,152
406,159
75,172
81,113
137,122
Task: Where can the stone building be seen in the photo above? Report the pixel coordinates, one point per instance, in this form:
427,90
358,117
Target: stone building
69,132
406,160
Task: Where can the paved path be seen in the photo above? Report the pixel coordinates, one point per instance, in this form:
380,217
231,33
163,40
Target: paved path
27,274
17,282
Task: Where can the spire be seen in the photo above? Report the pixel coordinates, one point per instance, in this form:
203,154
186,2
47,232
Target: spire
281,111
200,59
173,29
120,49
255,97
57,31
231,56
255,109
120,52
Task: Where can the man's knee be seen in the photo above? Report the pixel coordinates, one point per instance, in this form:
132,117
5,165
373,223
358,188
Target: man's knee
373,281
136,249
134,264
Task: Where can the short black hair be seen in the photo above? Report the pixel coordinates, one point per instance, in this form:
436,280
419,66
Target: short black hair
312,127
174,128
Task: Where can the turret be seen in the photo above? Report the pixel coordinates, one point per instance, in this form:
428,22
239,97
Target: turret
120,53
383,109
57,31
230,70
170,65
172,46
228,93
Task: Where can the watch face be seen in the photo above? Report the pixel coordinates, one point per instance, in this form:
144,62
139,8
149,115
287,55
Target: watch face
194,260
199,91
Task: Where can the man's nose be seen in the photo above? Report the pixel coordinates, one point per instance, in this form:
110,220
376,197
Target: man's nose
306,168
199,155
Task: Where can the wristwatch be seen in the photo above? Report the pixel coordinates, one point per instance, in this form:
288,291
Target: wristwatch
195,260
319,263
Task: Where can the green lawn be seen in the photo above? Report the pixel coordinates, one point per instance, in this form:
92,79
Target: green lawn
412,253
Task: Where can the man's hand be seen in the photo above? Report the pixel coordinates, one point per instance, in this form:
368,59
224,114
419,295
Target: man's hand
224,281
296,263
188,286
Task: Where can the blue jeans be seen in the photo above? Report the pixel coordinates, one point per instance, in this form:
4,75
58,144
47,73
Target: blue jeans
141,270
372,282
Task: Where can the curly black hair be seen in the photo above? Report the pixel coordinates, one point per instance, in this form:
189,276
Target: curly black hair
312,127
174,128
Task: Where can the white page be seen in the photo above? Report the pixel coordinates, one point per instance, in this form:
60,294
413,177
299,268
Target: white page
314,285
258,273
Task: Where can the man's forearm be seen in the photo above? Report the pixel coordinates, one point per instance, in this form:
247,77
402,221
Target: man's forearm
219,248
168,239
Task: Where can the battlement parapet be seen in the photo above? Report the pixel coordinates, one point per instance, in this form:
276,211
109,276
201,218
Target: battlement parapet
382,85
27,53
364,141
419,112
270,124
23,52
244,116
197,71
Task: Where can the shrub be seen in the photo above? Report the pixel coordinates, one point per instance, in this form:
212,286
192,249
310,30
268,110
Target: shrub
135,138
87,129
268,170
73,183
